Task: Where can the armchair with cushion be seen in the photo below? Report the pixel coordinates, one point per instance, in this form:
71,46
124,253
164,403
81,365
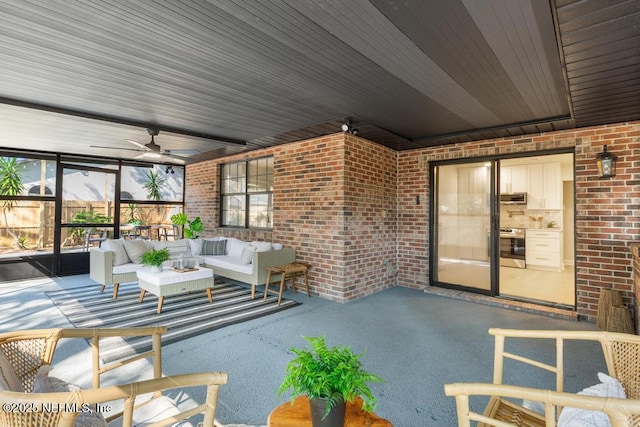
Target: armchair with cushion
511,405
26,355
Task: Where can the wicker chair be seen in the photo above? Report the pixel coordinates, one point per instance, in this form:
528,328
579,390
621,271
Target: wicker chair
622,356
27,351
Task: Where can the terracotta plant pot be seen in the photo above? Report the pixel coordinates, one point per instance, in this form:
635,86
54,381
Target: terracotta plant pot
335,418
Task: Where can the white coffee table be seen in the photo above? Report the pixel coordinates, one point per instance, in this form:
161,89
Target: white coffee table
169,282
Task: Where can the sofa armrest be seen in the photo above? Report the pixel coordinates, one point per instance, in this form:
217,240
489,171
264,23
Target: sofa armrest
262,260
101,266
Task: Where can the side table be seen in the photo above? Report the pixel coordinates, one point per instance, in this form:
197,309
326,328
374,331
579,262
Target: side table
299,415
290,270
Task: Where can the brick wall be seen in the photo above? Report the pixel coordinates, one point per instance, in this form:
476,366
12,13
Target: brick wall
370,217
606,210
334,202
359,212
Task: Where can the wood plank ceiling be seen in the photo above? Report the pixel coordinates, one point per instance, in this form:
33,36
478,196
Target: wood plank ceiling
220,77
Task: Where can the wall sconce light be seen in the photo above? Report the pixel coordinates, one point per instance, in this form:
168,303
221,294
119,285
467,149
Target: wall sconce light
606,163
169,169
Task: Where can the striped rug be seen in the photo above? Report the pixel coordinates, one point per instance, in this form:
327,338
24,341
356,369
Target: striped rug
184,315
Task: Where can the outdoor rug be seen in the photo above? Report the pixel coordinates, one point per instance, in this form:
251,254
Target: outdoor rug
184,315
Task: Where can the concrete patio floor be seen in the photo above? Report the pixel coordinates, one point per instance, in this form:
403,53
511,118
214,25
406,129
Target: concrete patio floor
415,341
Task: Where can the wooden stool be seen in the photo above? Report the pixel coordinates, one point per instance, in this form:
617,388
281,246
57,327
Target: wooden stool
619,320
291,270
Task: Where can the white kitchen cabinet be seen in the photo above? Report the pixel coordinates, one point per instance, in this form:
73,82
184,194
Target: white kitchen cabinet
544,186
513,179
543,249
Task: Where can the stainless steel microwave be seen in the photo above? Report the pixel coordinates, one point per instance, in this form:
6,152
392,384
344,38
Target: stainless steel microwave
513,198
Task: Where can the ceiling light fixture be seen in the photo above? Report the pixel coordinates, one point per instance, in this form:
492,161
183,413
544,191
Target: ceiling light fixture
170,170
606,163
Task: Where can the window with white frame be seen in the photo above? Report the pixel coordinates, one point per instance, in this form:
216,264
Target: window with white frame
246,190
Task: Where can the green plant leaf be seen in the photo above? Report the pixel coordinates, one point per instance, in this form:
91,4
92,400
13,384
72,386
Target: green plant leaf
335,374
155,257
153,184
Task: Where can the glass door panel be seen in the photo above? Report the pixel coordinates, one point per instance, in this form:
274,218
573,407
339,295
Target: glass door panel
87,215
462,219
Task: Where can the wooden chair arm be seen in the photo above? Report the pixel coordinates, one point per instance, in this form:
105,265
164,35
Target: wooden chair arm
31,408
618,410
40,345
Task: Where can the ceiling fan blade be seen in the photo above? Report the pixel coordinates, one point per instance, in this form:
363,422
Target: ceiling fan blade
116,148
148,155
144,147
175,156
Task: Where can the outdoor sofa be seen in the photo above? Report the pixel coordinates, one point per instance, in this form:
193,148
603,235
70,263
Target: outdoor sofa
118,260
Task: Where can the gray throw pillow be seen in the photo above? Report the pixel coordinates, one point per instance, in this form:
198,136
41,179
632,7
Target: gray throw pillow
214,247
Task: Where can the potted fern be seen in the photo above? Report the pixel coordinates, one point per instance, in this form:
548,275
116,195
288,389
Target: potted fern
154,258
329,377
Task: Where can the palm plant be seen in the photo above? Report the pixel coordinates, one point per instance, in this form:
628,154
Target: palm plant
153,184
10,185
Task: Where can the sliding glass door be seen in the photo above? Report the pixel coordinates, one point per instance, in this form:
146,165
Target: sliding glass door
462,225
504,227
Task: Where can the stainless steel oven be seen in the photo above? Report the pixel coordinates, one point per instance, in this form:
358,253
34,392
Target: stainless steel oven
512,247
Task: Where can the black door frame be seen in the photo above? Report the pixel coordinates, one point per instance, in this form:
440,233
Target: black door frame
495,216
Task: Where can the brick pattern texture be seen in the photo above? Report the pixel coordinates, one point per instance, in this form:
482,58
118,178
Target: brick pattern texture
359,212
607,210
334,202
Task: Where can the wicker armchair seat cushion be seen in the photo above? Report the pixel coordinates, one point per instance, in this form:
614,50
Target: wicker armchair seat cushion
155,410
43,383
573,417
9,381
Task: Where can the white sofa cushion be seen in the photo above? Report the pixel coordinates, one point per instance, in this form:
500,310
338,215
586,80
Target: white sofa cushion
235,247
135,249
119,253
261,246
126,268
247,254
195,245
176,247
228,262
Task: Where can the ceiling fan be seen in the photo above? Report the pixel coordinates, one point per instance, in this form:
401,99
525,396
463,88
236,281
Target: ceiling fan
150,149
